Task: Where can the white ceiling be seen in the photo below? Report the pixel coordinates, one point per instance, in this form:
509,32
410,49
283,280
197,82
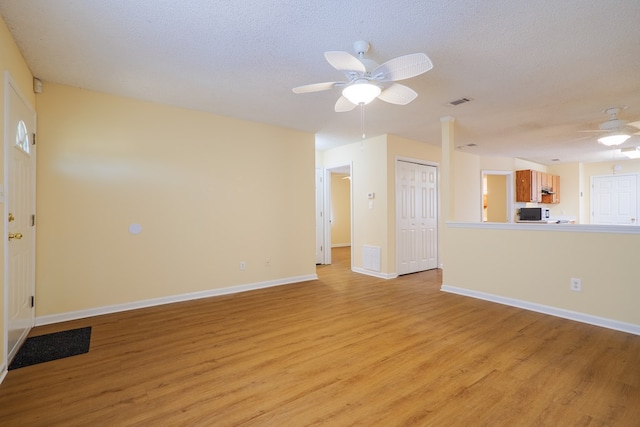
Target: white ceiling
537,72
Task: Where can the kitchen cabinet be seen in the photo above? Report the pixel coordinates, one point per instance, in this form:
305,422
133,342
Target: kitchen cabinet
537,187
545,183
528,186
551,191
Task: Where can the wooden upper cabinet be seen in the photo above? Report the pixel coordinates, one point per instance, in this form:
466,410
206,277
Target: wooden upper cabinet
537,187
545,182
528,183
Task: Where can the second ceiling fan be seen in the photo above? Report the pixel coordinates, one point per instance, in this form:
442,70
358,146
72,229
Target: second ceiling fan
366,79
616,131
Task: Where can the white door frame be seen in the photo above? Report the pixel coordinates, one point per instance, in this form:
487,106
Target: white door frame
398,201
319,185
327,206
510,184
11,85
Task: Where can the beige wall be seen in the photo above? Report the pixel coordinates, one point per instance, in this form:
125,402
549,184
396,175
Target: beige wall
536,266
571,191
11,62
467,187
607,168
340,210
498,163
520,164
208,191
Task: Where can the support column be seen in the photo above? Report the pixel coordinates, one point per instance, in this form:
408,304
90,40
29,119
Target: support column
448,145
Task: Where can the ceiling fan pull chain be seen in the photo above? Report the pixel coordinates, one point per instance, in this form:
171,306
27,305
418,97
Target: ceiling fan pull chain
362,120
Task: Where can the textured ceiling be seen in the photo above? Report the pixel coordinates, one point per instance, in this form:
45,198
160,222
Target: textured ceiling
537,72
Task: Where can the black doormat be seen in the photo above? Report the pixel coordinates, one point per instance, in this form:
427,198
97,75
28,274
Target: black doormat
58,345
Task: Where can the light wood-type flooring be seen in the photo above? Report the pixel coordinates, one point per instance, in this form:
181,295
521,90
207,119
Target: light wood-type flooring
347,349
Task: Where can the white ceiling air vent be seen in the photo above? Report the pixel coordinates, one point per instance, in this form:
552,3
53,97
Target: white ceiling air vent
458,101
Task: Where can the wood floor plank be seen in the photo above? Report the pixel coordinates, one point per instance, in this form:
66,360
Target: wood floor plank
347,349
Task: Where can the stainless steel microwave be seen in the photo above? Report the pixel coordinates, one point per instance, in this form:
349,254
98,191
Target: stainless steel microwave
534,214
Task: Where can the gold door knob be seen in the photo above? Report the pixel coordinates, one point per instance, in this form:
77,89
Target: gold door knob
15,236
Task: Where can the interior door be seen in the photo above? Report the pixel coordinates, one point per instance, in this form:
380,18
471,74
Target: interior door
417,217
19,225
614,199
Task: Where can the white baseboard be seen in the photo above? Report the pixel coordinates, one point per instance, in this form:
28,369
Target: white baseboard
546,309
3,373
80,314
374,273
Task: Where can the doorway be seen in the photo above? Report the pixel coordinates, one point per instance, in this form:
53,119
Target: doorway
497,196
19,211
331,208
340,213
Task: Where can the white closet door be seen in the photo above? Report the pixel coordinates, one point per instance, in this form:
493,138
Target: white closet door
614,199
417,217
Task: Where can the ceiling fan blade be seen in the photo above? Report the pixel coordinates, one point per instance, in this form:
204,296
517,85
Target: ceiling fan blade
344,105
582,138
403,67
398,94
343,61
634,124
315,87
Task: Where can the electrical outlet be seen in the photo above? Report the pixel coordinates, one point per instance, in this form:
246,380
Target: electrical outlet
576,284
243,266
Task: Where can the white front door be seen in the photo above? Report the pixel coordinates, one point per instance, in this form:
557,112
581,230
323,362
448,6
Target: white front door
614,199
417,217
19,211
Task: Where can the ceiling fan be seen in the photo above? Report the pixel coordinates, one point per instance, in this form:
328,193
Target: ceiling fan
617,130
365,79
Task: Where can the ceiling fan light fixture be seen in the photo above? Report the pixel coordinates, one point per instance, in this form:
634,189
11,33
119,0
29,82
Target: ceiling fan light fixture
631,152
361,92
611,140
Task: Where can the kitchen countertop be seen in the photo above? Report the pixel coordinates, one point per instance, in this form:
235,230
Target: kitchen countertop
548,221
542,227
